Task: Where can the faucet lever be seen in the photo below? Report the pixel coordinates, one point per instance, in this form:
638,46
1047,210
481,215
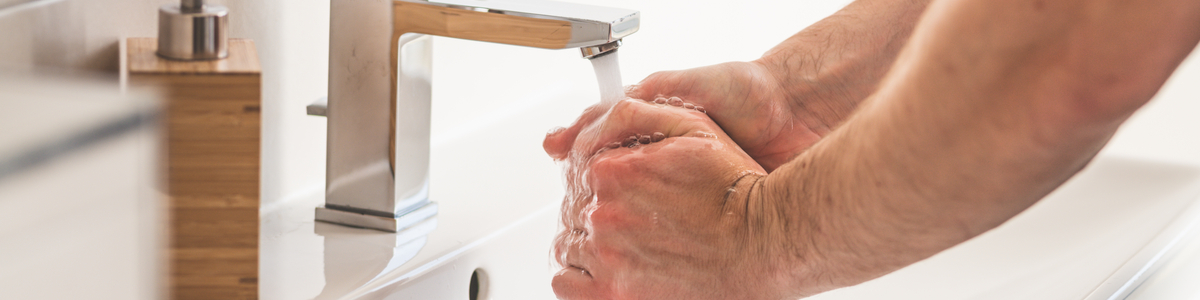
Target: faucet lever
583,25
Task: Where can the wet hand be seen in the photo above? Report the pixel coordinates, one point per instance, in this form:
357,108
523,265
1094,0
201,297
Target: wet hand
660,206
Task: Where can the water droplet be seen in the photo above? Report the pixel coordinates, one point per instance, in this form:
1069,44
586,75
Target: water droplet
675,101
630,141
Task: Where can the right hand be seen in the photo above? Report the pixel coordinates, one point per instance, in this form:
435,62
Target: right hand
752,104
663,205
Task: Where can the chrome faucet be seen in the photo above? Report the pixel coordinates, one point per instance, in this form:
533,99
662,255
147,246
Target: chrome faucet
377,166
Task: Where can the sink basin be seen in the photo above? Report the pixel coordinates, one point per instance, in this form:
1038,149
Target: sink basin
1105,229
1095,237
1101,233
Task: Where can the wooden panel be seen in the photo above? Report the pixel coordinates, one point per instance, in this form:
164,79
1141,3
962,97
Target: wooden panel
480,26
213,137
243,59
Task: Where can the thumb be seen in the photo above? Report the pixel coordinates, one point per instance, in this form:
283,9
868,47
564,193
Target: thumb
657,84
559,140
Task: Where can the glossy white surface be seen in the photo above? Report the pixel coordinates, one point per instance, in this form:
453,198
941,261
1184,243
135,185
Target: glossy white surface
1061,248
83,224
498,196
1179,278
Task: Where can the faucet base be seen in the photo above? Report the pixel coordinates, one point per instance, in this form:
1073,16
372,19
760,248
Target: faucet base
341,217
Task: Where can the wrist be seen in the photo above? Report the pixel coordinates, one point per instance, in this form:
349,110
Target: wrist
783,231
820,92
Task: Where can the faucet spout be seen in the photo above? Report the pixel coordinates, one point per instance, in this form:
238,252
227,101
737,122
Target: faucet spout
377,155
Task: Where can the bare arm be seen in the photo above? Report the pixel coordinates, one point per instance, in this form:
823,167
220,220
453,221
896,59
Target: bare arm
779,105
990,106
843,56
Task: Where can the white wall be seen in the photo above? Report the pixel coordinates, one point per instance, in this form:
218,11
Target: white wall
475,80
292,39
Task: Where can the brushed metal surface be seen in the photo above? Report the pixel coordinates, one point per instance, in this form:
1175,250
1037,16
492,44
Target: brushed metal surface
378,110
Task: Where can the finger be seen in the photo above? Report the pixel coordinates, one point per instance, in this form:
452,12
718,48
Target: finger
657,84
574,284
631,119
574,248
558,142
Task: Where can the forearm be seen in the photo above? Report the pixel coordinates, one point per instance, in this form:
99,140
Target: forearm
842,56
991,107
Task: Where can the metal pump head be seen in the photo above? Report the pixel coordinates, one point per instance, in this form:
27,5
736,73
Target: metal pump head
193,30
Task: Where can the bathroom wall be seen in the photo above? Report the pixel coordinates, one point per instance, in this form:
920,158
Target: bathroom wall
292,38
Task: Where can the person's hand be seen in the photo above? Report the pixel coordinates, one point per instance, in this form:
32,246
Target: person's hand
749,101
660,206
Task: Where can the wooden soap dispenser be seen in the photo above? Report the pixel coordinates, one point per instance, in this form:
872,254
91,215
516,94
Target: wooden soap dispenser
211,87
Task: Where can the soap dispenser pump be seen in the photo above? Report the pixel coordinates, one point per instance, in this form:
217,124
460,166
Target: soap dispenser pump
193,30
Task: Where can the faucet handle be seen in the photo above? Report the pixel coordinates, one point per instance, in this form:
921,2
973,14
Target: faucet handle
589,25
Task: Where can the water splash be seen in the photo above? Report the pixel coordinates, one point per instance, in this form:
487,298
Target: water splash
580,200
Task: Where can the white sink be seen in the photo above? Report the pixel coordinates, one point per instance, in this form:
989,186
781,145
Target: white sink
1096,236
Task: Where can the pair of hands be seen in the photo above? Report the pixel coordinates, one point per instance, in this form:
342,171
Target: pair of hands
680,215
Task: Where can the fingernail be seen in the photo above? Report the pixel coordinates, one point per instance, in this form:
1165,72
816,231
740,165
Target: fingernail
688,106
644,139
660,100
700,108
613,145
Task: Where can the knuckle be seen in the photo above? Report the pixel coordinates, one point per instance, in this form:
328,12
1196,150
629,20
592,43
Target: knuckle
625,106
612,256
608,170
608,218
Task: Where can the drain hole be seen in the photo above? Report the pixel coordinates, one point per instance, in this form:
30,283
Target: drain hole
478,288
